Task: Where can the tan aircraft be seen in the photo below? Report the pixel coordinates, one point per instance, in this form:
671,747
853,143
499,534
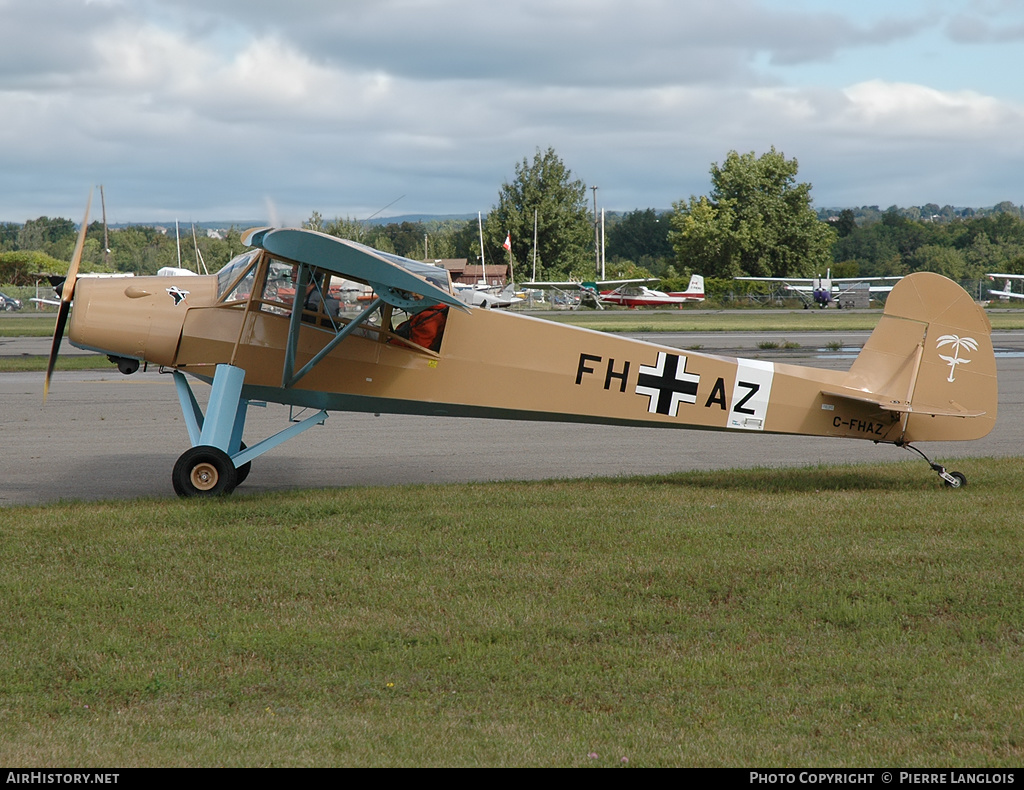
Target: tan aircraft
927,373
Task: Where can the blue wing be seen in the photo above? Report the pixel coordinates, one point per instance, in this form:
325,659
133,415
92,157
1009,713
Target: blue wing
392,277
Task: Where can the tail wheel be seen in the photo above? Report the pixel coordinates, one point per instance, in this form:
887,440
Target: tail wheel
203,472
961,480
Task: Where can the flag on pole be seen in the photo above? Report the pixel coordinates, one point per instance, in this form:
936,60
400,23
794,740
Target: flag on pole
508,242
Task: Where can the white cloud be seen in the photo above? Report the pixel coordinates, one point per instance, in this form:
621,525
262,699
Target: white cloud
176,104
964,116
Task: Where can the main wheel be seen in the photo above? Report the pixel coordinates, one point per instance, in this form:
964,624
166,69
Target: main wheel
204,471
242,471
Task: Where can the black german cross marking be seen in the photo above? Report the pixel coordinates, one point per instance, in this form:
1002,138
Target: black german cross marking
667,384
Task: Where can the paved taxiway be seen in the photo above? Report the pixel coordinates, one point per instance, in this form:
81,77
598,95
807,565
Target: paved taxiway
106,436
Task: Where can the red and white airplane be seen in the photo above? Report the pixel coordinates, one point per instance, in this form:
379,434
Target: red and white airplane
642,296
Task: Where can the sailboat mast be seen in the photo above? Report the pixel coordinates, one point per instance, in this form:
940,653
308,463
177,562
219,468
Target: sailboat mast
535,245
483,265
602,244
106,238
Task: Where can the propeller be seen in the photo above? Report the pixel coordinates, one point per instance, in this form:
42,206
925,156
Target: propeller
66,292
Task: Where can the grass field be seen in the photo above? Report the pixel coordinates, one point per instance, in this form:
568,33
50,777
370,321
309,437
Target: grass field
30,363
856,616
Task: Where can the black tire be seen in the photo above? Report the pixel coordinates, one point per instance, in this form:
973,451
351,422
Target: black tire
961,480
242,471
203,472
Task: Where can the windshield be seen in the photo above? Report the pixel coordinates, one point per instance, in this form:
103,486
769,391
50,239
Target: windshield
227,276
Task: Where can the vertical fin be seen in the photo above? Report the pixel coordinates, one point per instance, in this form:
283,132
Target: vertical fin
932,352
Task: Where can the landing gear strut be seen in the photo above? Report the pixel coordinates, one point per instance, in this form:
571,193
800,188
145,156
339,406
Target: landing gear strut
219,461
950,479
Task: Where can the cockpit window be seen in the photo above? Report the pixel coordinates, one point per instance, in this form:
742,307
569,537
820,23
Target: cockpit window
435,275
231,277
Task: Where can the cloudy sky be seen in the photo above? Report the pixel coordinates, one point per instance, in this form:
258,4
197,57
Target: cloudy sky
232,110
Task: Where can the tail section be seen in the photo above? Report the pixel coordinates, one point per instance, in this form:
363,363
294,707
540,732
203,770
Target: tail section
930,361
694,291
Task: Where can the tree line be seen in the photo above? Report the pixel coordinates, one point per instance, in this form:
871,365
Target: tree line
757,220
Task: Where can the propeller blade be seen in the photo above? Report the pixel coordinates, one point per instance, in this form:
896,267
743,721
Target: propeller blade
67,291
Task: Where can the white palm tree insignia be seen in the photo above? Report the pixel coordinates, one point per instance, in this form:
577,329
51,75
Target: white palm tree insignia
958,343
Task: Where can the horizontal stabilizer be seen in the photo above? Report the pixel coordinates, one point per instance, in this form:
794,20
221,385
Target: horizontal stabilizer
903,407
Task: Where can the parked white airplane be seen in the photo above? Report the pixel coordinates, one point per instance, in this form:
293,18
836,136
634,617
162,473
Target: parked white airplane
482,295
1007,293
822,291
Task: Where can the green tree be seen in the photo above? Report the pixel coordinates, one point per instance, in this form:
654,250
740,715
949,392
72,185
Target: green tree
315,222
544,188
1006,207
351,229
941,260
25,267
641,236
846,223
9,232
465,241
757,221
380,240
406,238
449,238
56,237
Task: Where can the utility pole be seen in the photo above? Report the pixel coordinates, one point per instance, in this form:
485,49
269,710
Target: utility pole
597,238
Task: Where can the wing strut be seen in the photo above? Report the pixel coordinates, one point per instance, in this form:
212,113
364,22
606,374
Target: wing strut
289,378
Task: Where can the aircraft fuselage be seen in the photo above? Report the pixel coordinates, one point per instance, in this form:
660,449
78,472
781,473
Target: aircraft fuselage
488,365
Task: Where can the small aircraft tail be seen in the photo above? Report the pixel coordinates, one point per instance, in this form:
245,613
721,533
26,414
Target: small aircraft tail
694,291
929,363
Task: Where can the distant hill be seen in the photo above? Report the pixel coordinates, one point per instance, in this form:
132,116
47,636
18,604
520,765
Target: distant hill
420,218
256,223
186,227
